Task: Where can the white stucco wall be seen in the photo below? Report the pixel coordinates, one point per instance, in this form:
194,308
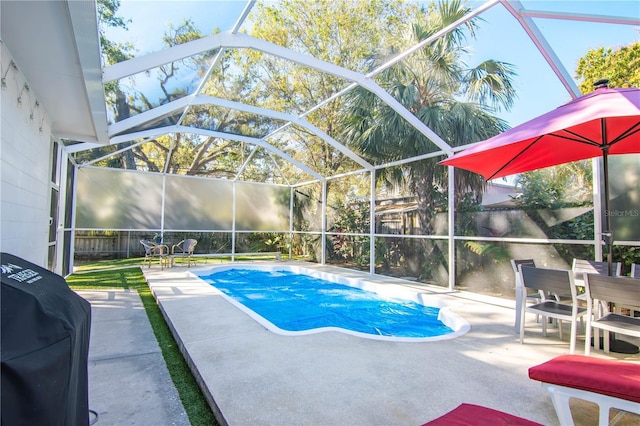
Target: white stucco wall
25,174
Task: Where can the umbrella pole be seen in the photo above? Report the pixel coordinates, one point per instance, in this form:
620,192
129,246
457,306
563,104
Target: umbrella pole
607,234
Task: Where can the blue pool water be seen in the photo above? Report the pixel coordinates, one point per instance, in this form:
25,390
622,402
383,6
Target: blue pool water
296,303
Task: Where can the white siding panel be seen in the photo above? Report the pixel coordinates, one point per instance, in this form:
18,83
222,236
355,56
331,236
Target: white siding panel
25,172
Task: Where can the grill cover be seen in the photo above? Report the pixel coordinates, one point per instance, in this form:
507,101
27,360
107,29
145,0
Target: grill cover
45,347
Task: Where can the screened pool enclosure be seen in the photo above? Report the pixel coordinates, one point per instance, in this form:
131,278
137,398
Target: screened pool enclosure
263,135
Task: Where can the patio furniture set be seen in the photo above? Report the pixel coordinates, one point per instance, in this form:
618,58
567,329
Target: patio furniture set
607,383
184,249
553,294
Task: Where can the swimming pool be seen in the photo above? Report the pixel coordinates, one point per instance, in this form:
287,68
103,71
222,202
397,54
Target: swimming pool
292,300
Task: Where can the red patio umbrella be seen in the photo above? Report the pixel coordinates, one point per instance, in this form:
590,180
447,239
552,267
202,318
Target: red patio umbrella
601,123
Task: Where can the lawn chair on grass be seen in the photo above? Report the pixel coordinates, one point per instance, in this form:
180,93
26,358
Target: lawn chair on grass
153,250
183,249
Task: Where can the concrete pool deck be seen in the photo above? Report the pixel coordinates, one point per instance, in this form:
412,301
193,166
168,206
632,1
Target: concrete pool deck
254,376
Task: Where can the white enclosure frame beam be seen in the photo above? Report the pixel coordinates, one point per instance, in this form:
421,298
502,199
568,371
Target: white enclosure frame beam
191,100
372,224
451,232
616,20
216,60
238,41
78,147
515,8
227,136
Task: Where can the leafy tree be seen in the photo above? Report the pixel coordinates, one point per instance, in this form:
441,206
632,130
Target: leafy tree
455,101
546,192
354,218
621,66
113,53
556,187
344,33
168,152
186,154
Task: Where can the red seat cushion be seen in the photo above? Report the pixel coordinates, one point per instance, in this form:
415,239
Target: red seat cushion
476,415
619,379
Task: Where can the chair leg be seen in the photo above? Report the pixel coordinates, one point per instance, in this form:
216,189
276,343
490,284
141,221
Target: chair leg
561,404
522,312
520,299
572,344
560,328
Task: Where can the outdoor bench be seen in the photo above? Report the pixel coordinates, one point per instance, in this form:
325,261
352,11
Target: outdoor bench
608,383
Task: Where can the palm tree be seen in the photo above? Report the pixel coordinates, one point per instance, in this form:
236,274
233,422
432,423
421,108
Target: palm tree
456,102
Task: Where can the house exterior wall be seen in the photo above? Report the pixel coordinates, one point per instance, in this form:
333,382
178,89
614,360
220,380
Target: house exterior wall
25,169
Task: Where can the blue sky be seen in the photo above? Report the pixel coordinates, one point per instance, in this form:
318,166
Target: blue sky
500,37
539,90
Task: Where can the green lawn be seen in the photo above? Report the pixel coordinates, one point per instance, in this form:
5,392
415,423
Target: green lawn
126,274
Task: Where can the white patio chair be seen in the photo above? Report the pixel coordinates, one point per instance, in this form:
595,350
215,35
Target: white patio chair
581,266
635,273
602,292
551,281
635,270
522,295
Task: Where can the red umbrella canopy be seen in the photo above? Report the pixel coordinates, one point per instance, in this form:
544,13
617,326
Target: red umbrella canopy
605,119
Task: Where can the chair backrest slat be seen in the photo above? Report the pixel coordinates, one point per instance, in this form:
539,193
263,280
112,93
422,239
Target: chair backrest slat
515,263
556,281
190,245
148,246
622,290
580,266
635,270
